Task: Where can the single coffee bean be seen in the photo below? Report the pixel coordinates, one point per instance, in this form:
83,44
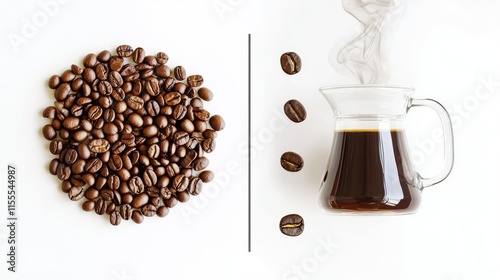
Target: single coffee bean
172,98
93,165
154,151
67,76
126,211
200,163
180,183
115,79
162,211
161,57
291,63
53,166
71,156
101,71
291,161
78,167
138,55
49,132
89,75
202,114
217,122
179,73
180,137
137,217
124,50
206,176
56,147
88,205
49,112
54,81
170,202
104,56
115,218
107,194
295,111
195,185
162,71
75,193
183,196
99,145
115,63
150,131
94,112
71,123
205,94
91,193
292,225
80,135
135,184
148,210
90,60
150,178
62,91
152,87
152,108
135,102
195,80
100,206
208,145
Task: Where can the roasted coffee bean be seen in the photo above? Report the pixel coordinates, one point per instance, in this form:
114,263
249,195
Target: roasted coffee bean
217,122
115,163
101,71
115,79
56,146
154,151
126,211
88,205
99,145
114,182
179,112
180,137
295,111
115,218
206,176
138,55
110,129
124,50
67,76
202,114
106,194
93,165
205,94
49,112
195,80
292,225
162,211
80,135
71,123
179,73
91,193
149,177
89,75
172,98
195,185
135,102
162,71
75,193
137,217
148,210
135,184
152,108
104,56
200,163
94,112
90,60
180,183
62,91
53,166
170,202
115,63
291,63
63,172
183,196
150,131
71,156
291,161
152,87
100,206
54,81
208,145
188,159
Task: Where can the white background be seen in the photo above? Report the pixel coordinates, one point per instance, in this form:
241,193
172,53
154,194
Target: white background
448,51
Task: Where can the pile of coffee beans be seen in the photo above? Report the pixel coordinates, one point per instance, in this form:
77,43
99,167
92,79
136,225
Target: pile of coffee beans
130,133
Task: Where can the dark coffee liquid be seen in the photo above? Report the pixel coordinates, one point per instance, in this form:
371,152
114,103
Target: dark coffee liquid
370,170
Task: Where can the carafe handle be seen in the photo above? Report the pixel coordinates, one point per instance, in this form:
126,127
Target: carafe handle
448,140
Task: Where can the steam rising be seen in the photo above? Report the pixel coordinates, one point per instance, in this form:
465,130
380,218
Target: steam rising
364,56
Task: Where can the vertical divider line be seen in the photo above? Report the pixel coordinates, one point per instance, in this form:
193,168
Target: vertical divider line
249,143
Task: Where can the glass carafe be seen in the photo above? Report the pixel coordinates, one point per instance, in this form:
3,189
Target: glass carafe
369,168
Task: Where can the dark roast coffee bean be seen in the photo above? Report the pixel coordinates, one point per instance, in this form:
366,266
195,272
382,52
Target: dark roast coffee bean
54,163
217,122
291,63
115,63
152,87
94,112
292,225
195,80
135,184
195,185
295,111
93,165
179,73
100,206
138,55
148,210
205,94
200,163
75,193
90,60
88,205
106,194
150,178
104,56
291,161
137,217
124,50
162,71
99,145
115,79
126,211
56,147
49,132
206,176
115,218
152,108
54,81
162,211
